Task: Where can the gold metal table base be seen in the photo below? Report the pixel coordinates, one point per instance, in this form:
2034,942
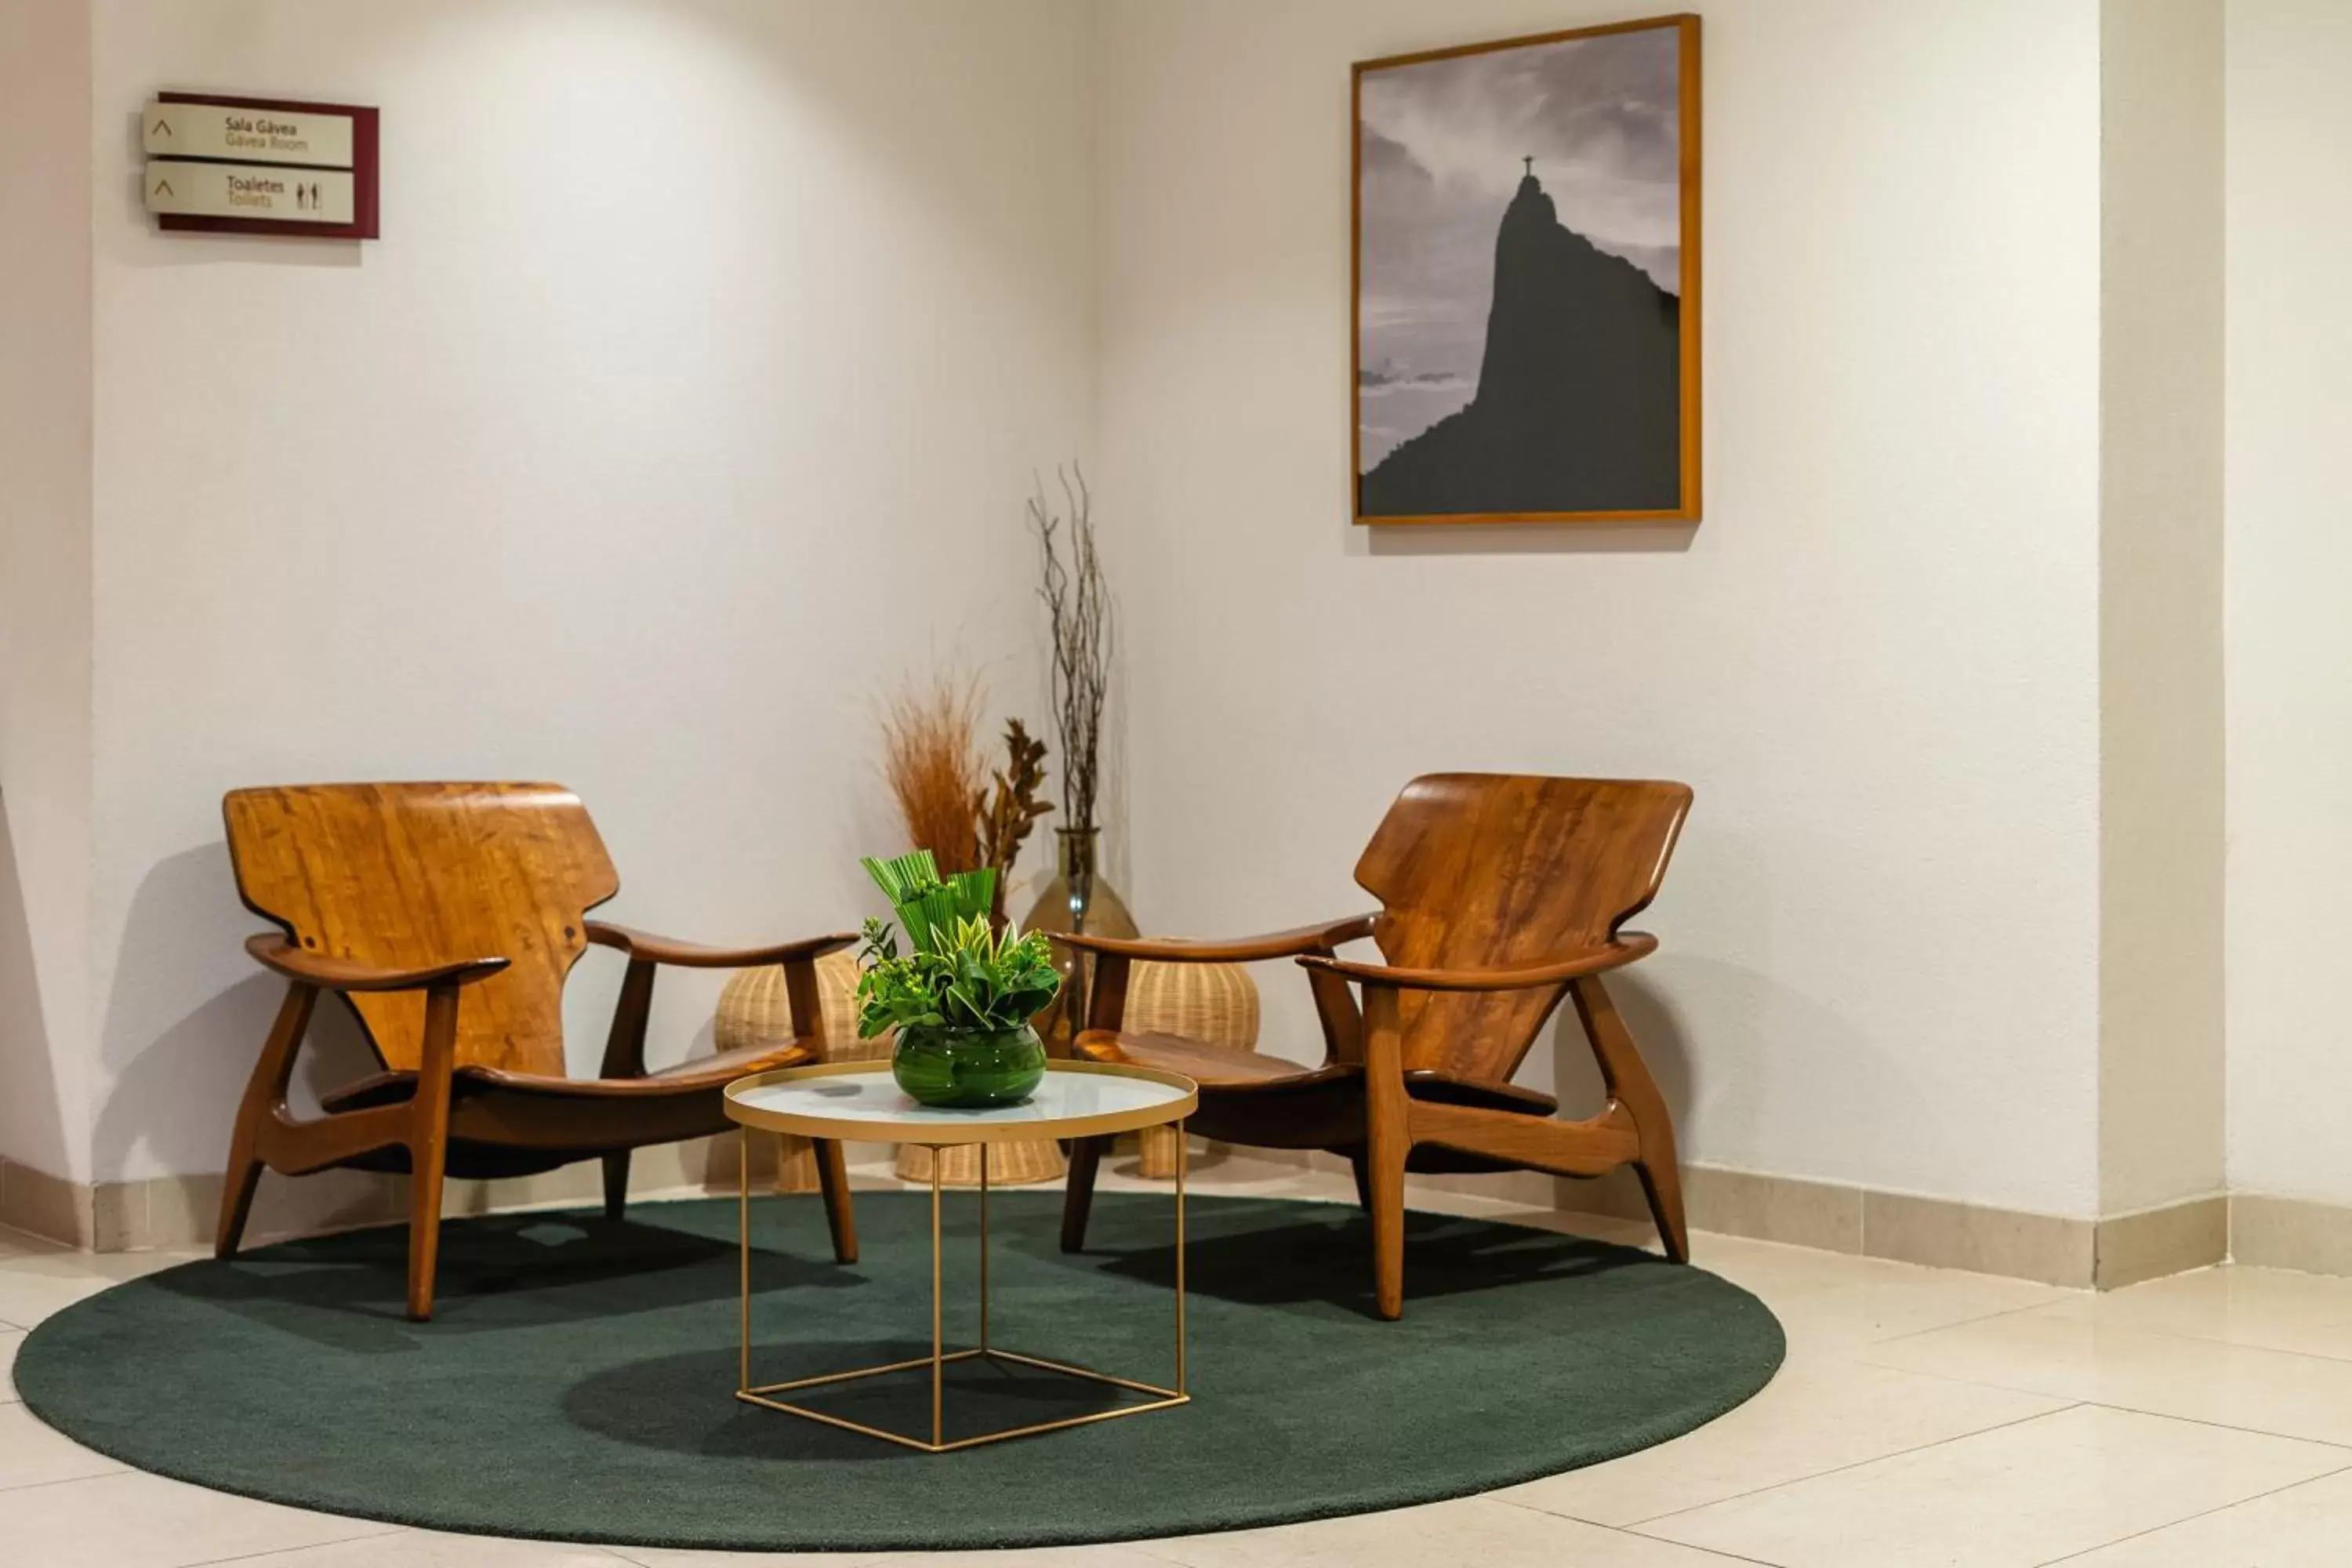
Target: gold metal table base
1167,1398
939,1358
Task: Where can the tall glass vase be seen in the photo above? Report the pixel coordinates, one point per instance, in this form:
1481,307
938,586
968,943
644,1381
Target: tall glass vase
1077,899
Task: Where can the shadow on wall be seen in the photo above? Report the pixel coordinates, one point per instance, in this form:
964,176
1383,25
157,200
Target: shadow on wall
1659,1035
32,1122
1658,1031
1740,1007
174,1073
188,1011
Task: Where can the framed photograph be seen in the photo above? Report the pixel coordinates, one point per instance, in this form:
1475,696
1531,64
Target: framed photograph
1527,279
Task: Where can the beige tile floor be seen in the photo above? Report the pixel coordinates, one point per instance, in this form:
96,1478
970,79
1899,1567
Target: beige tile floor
1924,1417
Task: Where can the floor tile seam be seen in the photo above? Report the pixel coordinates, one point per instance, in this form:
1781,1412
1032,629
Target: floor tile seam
18,1236
2344,1447
1145,1548
620,1554
118,1469
1965,1323
378,1533
1630,1531
1161,1548
2118,1405
2343,1359
2190,1519
1636,1526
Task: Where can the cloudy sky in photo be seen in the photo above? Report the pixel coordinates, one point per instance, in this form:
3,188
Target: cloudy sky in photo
1441,144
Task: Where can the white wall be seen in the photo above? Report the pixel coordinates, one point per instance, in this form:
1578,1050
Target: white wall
1877,659
687,402
2290,558
45,583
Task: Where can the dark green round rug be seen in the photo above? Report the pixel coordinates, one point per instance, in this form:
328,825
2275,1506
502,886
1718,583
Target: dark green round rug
577,1382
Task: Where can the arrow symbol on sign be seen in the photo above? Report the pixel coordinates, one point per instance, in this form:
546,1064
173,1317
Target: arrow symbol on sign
163,128
164,188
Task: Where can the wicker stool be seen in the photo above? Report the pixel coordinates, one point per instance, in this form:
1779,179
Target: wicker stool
1215,1003
1010,1165
754,1008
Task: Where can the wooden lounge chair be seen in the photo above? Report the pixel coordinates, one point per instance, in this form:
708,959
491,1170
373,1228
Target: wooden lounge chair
447,916
1500,895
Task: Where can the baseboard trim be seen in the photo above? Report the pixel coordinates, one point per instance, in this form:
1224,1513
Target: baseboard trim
183,1211
2171,1239
2053,1249
2105,1254
2291,1233
1903,1228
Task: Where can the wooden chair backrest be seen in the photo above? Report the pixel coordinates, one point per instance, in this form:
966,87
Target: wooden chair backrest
415,874
1502,871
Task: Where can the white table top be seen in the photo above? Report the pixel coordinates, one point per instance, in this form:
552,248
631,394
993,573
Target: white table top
859,1101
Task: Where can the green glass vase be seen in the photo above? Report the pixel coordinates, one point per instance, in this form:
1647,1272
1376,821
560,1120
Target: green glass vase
968,1068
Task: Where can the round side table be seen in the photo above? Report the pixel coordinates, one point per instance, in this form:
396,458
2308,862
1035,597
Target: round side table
859,1102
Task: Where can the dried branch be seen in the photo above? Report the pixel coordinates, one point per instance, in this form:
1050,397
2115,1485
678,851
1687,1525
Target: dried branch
934,770
1078,601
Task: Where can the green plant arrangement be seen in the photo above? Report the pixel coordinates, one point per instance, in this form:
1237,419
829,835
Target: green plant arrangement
962,1000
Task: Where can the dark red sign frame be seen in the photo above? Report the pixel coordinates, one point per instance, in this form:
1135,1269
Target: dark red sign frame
366,210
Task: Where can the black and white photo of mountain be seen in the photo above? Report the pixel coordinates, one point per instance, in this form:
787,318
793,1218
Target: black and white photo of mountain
1519,280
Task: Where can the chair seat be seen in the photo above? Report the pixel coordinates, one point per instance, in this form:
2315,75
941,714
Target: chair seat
697,1075
1220,1072
504,1124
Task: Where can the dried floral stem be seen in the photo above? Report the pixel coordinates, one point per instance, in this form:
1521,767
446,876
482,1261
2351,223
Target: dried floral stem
929,758
1077,599
1007,813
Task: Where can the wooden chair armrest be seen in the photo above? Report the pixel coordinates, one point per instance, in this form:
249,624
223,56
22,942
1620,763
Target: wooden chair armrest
654,949
1243,950
1624,950
273,952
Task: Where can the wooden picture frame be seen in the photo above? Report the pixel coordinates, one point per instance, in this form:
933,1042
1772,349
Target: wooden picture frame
1630,386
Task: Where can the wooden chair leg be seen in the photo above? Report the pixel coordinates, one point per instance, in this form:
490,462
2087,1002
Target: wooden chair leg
1662,1183
624,1057
1629,1083
428,1147
832,1179
1078,1196
1386,1201
264,1095
429,1158
237,1201
1390,1140
1359,1163
1105,989
616,1186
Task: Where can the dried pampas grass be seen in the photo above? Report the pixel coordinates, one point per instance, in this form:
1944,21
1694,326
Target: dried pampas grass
934,770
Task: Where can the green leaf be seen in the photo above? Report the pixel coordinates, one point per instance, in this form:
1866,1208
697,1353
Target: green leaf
961,971
901,879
